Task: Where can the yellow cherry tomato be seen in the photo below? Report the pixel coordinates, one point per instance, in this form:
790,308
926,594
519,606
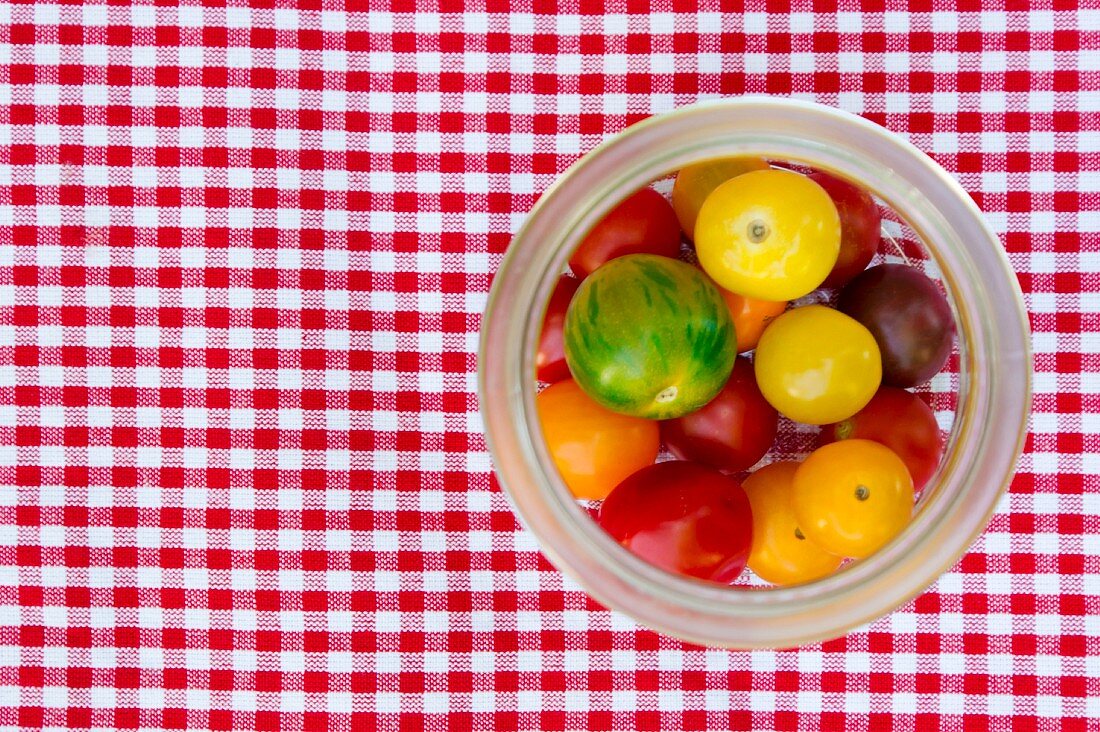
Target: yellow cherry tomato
781,553
750,317
593,448
695,182
817,365
770,234
852,497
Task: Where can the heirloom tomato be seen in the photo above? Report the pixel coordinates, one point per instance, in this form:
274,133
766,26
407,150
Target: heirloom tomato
817,365
650,337
901,421
909,318
860,227
550,360
781,553
695,182
750,317
733,431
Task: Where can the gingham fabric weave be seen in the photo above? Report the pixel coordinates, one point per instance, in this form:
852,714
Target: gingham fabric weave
243,256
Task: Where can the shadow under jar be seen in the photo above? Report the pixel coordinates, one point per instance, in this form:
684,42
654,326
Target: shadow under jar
993,373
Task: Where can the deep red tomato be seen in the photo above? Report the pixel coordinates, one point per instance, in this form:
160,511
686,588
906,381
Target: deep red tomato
684,518
732,432
901,421
550,361
909,317
860,228
642,224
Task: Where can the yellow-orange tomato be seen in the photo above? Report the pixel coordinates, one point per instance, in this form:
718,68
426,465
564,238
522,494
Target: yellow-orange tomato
750,317
852,497
781,553
593,448
816,365
695,182
772,234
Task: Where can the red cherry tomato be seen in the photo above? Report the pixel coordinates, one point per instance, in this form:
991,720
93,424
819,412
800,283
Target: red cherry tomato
901,421
732,432
550,361
860,228
642,224
684,518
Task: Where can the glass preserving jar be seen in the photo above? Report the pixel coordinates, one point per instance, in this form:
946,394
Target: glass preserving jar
994,371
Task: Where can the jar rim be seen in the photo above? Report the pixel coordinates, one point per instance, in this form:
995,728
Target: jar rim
995,361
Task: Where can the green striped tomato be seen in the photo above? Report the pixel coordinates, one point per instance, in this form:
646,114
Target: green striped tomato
650,337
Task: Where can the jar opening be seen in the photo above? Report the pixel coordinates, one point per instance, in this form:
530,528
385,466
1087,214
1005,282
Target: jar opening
991,408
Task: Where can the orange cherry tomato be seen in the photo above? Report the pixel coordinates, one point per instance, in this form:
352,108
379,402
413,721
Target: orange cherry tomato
781,553
903,422
750,317
852,497
593,448
695,182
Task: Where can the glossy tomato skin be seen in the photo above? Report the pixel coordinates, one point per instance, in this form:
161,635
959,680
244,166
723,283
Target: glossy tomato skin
550,362
816,365
644,223
852,497
909,317
860,227
768,234
732,432
594,449
901,421
781,553
684,518
695,182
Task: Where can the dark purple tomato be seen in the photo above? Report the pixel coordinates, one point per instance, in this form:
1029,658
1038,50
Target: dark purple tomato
684,518
550,361
909,317
860,227
732,431
644,223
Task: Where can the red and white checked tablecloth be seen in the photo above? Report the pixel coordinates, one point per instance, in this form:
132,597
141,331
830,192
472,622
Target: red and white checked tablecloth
243,256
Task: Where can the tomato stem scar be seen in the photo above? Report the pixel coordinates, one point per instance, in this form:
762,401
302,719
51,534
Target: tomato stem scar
758,231
666,395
